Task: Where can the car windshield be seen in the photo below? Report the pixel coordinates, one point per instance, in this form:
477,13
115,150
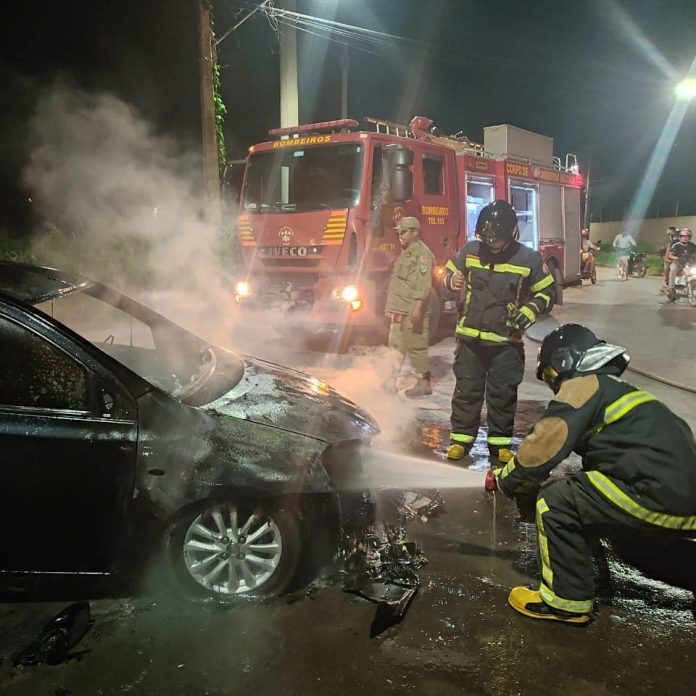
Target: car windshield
297,179
156,349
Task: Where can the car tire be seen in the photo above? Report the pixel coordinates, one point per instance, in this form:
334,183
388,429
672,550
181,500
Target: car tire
202,542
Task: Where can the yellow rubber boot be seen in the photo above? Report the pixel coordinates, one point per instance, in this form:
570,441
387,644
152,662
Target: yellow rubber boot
457,451
530,603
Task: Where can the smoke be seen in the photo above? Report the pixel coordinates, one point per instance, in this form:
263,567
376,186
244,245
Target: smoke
124,205
125,200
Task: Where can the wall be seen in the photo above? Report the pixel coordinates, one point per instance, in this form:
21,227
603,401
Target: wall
650,232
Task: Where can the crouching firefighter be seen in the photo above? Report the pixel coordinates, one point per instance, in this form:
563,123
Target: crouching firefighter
638,470
506,286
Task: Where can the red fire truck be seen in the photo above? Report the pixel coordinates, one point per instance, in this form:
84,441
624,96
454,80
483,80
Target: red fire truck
320,201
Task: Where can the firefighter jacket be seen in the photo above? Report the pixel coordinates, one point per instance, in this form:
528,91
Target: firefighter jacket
495,285
638,454
411,278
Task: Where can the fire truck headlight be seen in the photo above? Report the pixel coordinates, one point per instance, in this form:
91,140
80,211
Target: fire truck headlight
350,293
243,289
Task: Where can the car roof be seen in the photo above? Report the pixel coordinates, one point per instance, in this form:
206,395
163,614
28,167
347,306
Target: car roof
33,284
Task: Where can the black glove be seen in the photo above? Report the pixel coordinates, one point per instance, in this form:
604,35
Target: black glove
521,321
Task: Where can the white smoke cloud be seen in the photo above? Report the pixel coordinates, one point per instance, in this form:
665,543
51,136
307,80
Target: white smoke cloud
101,175
128,205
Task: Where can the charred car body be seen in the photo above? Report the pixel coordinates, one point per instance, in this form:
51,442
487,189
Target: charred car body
122,432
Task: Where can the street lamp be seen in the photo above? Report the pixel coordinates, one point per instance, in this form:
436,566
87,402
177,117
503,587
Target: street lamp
686,89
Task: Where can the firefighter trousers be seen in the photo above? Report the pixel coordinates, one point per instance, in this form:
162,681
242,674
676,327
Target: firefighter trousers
570,514
492,371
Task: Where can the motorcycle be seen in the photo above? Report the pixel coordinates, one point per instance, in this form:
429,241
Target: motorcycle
588,269
636,264
684,284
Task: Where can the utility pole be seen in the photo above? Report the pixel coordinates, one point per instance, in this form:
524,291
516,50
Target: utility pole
211,172
344,81
289,100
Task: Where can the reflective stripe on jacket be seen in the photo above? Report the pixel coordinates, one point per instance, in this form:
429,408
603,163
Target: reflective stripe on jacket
638,454
497,284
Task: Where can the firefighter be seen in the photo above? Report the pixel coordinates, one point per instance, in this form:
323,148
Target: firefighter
639,470
408,305
507,286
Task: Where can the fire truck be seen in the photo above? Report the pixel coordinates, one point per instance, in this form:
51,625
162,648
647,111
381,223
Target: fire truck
320,201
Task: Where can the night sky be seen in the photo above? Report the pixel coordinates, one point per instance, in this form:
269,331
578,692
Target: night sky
597,75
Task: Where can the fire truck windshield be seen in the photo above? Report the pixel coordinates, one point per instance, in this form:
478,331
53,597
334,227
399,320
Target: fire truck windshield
301,179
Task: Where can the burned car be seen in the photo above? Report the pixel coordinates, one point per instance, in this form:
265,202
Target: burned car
122,434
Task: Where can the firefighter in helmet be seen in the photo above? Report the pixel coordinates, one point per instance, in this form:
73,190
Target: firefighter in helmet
408,304
638,470
506,285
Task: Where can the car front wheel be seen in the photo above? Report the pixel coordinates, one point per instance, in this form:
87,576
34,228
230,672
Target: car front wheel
226,549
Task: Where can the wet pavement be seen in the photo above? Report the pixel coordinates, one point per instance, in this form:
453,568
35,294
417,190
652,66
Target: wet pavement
458,637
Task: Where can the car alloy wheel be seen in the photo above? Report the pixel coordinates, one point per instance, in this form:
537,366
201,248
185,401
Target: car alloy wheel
230,555
224,550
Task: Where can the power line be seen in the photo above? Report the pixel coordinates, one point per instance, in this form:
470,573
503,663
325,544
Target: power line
241,21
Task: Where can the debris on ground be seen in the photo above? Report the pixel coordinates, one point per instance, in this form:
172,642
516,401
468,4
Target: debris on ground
379,564
58,637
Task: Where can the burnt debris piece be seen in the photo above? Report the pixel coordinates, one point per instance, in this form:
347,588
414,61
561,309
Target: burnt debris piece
58,637
379,564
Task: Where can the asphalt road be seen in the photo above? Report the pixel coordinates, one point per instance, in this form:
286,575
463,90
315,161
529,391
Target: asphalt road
660,336
459,636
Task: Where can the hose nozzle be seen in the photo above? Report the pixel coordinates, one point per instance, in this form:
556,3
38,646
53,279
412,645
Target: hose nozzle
491,482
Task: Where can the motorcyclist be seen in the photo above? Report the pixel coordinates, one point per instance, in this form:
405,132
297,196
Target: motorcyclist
681,253
638,470
587,252
672,234
623,243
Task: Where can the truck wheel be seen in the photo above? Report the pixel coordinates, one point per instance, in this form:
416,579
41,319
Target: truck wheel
434,321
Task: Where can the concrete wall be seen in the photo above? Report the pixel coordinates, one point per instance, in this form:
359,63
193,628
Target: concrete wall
650,232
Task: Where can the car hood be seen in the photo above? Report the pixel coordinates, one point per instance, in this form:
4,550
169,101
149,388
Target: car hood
287,399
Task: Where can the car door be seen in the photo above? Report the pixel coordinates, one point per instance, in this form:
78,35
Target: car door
68,438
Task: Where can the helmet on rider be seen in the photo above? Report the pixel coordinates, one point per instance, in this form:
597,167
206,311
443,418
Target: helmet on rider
497,222
572,350
685,233
585,232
